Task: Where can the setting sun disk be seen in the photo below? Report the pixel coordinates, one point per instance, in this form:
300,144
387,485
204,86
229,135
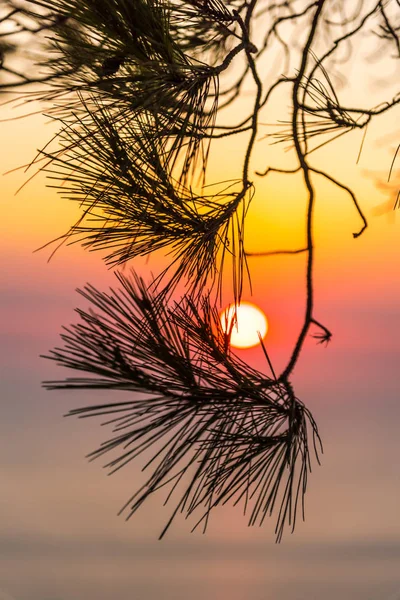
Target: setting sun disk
245,326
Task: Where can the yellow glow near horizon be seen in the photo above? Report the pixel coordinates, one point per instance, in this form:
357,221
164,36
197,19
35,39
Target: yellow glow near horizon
245,326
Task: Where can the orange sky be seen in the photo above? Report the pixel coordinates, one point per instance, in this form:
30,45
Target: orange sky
58,512
275,221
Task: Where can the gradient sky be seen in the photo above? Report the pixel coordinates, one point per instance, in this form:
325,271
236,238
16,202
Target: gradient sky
60,538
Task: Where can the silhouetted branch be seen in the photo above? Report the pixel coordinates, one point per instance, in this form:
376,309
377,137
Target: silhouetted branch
325,336
277,252
136,88
228,433
311,194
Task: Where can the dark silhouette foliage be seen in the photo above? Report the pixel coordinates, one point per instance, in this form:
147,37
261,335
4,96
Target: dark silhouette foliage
136,87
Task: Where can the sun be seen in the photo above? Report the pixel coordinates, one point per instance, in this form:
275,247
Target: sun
245,327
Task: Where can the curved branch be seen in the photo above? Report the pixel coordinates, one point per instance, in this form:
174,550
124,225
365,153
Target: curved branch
311,197
351,194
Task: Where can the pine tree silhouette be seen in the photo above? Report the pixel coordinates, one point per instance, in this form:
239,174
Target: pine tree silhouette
136,87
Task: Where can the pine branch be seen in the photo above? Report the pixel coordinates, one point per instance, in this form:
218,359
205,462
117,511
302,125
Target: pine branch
228,432
131,205
136,88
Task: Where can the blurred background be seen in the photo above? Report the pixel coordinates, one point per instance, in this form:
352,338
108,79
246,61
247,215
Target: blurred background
60,536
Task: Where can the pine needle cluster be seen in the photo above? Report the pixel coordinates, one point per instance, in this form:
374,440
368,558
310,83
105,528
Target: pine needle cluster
132,206
221,428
